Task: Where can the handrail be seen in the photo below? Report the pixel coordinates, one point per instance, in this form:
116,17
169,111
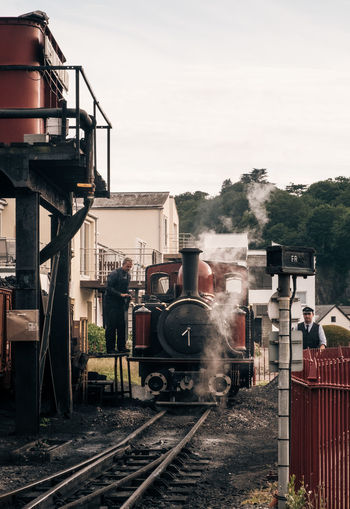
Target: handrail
76,113
57,68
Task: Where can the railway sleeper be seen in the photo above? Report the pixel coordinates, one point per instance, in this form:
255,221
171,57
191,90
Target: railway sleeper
176,498
190,482
179,489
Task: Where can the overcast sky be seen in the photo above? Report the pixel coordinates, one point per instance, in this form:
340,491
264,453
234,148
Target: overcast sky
203,90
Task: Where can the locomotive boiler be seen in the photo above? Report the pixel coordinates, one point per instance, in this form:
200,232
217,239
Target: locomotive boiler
192,335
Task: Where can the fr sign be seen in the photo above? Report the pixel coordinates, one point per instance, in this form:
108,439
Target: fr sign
299,261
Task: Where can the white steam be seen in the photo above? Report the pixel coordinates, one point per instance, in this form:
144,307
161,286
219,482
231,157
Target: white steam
228,248
217,346
257,195
224,247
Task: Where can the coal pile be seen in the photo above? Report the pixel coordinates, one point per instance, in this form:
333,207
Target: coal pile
8,282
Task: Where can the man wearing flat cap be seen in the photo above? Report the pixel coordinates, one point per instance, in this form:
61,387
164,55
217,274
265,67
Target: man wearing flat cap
313,333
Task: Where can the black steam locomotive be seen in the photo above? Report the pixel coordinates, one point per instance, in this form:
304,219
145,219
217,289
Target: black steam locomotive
192,335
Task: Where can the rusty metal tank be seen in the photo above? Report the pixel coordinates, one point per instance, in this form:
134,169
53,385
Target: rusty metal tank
142,324
22,42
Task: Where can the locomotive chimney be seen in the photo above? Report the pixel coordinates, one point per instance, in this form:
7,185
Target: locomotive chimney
190,259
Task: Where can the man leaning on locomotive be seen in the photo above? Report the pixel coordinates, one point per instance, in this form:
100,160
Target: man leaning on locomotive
116,303
313,333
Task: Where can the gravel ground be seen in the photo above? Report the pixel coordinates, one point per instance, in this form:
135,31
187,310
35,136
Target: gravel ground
241,443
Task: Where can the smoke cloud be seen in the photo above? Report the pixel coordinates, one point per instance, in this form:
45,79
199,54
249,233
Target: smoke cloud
221,315
224,247
257,195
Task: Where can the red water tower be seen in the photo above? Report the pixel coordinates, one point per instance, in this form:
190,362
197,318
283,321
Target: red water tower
27,41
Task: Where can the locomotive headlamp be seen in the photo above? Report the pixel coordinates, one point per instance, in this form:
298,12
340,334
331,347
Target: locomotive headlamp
299,261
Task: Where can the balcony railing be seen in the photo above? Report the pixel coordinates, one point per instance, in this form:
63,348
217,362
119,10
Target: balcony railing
8,255
187,240
83,90
97,264
177,242
7,252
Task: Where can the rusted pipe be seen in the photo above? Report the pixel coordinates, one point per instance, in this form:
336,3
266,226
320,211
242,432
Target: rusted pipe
87,121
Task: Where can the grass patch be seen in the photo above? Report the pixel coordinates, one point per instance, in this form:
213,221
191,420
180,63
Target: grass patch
106,367
261,496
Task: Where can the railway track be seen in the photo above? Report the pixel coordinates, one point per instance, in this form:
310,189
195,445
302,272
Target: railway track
120,476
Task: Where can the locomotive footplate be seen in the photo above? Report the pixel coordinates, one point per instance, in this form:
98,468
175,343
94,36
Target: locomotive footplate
167,360
187,403
192,378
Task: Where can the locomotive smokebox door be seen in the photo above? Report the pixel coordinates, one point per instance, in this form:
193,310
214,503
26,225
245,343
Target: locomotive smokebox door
185,327
299,261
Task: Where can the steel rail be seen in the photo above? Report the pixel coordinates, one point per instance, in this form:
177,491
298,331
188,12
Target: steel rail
83,501
165,463
162,463
69,485
8,499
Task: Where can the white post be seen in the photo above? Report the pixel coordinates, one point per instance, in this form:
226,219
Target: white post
283,388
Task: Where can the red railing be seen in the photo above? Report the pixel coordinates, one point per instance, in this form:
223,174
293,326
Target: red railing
320,427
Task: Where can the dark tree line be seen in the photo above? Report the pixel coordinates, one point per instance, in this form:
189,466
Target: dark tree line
317,216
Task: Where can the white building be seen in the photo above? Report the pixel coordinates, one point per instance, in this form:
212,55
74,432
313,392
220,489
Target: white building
135,220
142,226
333,315
84,301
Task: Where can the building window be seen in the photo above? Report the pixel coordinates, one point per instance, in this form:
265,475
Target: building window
89,311
86,250
165,232
261,310
302,298
258,279
333,319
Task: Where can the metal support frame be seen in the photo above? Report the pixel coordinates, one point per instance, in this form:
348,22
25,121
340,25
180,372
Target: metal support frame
44,355
118,378
60,335
49,174
26,353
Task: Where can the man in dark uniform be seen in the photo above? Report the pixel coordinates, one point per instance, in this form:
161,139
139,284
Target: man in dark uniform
116,302
313,333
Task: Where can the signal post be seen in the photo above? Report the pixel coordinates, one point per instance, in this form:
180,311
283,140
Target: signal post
286,261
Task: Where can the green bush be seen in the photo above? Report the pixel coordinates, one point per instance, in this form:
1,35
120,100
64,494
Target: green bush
297,498
96,339
336,335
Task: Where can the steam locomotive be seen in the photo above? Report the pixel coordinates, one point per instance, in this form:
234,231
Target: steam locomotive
193,332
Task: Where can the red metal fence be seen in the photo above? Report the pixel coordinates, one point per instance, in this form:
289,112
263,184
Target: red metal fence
320,427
